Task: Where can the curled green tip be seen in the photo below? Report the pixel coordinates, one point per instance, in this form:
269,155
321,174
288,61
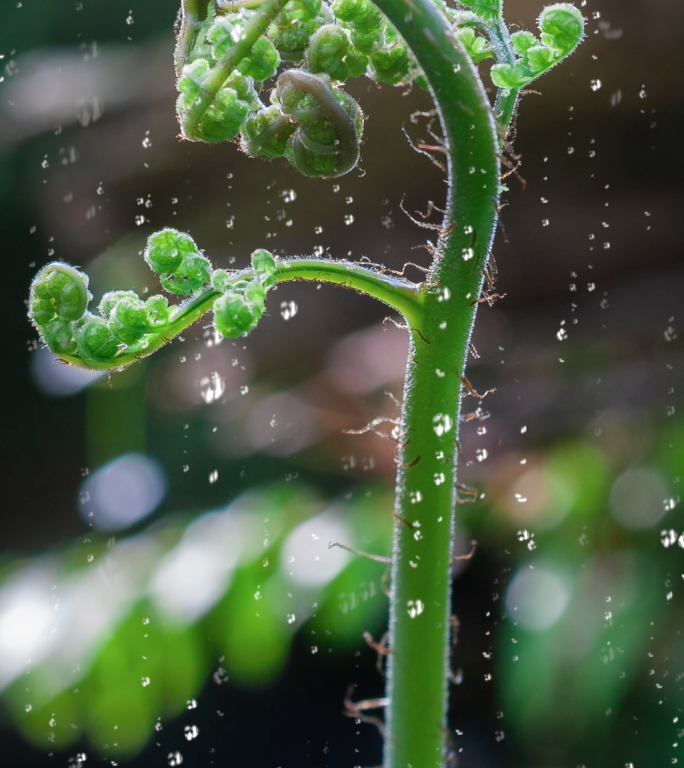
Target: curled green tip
58,291
562,29
166,250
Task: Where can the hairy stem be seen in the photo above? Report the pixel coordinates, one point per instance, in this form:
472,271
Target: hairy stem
506,99
426,477
193,13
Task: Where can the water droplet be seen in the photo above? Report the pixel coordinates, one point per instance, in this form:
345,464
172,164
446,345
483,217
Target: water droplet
562,334
442,424
291,618
147,142
220,676
288,309
191,704
145,682
415,608
191,732
212,387
595,85
174,758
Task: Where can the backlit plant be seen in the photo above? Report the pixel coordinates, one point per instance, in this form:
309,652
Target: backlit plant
226,56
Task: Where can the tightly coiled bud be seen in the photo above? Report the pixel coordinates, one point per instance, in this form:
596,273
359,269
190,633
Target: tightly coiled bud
175,257
128,320
193,274
262,61
391,65
235,314
58,290
361,14
328,125
95,343
292,39
110,299
166,250
264,264
327,51
267,132
158,311
59,335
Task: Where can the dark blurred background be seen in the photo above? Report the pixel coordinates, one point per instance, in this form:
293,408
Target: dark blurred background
166,591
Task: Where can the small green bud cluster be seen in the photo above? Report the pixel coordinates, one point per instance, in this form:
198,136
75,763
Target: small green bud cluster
562,30
58,307
347,39
175,257
242,302
128,327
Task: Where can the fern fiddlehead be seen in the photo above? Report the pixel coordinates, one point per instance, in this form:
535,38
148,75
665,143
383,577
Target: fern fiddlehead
226,53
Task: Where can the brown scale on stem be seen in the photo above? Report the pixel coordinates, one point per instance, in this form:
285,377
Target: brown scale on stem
356,709
403,520
461,558
403,269
382,649
472,493
404,327
489,299
361,553
416,148
372,428
471,390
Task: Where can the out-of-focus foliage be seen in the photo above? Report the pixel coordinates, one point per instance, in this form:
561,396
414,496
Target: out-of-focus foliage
117,631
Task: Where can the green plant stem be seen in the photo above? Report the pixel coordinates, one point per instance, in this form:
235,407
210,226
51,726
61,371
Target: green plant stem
253,30
193,13
506,99
401,295
418,665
